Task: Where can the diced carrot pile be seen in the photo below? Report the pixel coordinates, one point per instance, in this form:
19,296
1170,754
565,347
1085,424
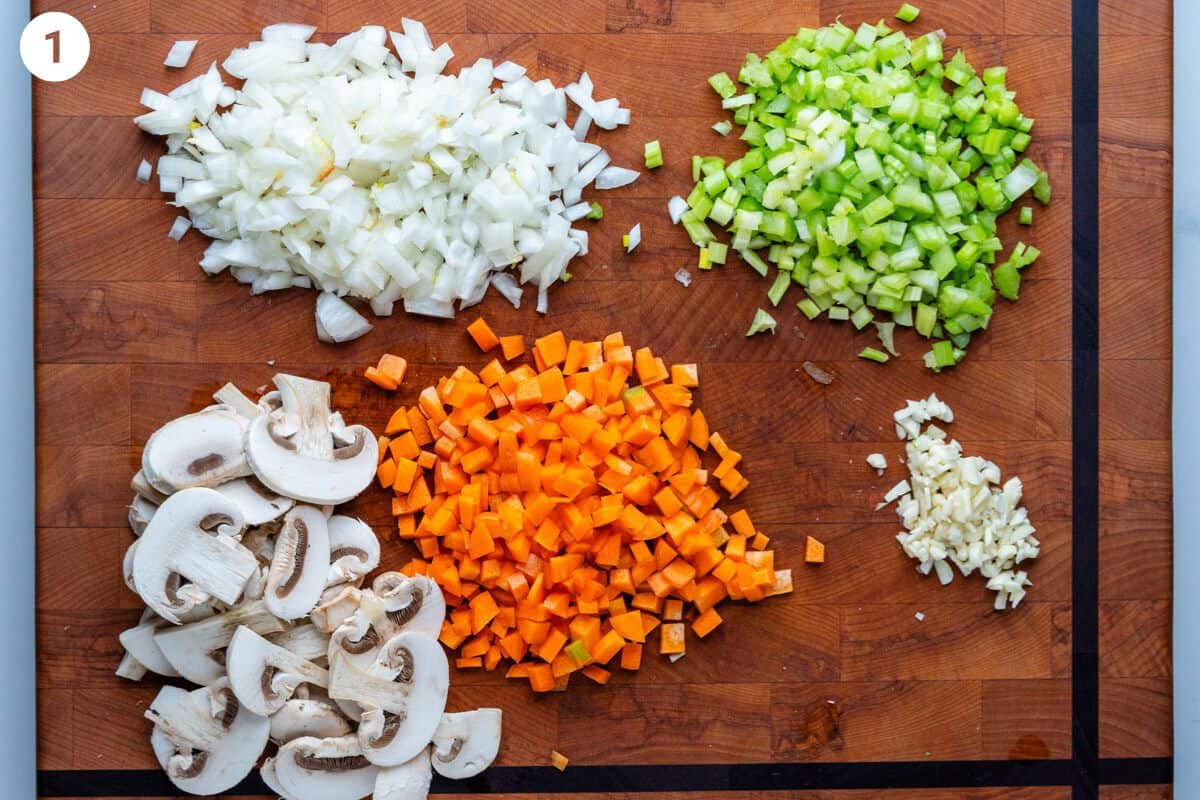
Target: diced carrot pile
564,509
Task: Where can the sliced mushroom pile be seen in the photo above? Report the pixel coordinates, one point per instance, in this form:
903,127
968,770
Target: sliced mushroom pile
254,590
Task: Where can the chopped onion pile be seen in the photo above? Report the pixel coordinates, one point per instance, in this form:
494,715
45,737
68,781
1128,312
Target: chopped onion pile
874,177
955,511
369,173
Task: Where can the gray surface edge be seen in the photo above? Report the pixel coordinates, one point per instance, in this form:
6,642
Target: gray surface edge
1185,423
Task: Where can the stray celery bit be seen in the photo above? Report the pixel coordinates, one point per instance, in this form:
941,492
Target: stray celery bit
625,240
705,261
871,354
654,156
762,322
908,13
596,211
874,174
1025,215
723,127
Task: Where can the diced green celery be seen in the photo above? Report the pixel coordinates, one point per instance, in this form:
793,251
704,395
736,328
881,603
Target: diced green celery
871,354
808,308
654,156
943,354
722,84
926,318
1025,215
1041,189
717,252
862,316
762,322
697,162
723,127
782,281
595,211
753,260
840,313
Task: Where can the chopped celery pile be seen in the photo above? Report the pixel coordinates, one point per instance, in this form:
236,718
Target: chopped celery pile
874,175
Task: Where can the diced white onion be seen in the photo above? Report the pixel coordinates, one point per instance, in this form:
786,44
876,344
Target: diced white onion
635,238
616,177
337,321
180,53
675,207
179,227
144,171
367,171
683,276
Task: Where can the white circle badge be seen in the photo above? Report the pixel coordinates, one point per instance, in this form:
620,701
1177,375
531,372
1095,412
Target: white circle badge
55,46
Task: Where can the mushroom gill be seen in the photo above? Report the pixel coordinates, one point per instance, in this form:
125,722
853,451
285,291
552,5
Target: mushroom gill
342,552
369,641
401,616
391,726
317,763
293,557
455,747
195,764
351,450
205,464
229,709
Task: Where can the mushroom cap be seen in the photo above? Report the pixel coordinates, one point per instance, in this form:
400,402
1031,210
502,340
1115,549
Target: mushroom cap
195,649
408,604
264,675
415,665
267,773
300,563
316,718
201,449
259,504
203,739
353,550
324,769
466,742
294,451
407,781
191,536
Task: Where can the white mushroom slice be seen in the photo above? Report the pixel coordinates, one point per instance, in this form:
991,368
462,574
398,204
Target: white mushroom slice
258,503
294,452
300,564
139,644
190,536
127,565
353,550
408,781
233,397
203,739
267,773
140,512
466,743
406,604
403,694
264,675
314,718
201,449
337,604
142,488
324,769
196,650
306,641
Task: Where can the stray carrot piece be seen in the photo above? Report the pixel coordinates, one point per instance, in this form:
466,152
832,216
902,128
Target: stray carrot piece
671,639
706,622
558,760
599,674
392,366
381,380
814,551
512,346
760,541
685,375
482,333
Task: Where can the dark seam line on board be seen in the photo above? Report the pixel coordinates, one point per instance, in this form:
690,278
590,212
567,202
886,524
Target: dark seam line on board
677,778
1085,424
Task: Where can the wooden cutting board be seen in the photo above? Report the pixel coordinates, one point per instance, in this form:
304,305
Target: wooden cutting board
130,333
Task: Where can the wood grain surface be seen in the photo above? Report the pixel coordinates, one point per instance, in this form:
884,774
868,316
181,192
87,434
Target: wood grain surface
131,333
